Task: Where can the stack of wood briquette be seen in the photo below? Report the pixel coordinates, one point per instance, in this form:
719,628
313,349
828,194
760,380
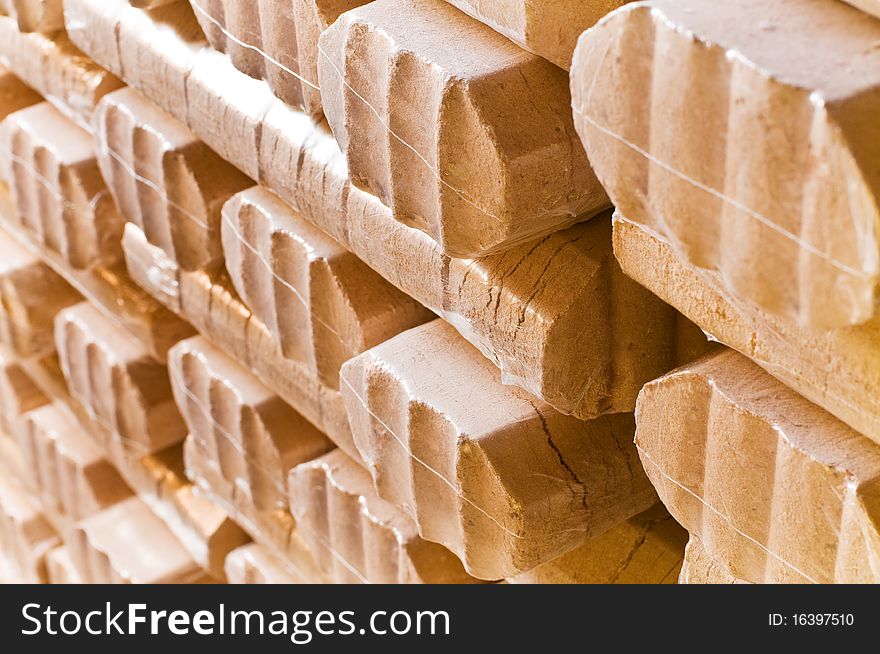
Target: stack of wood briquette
429,291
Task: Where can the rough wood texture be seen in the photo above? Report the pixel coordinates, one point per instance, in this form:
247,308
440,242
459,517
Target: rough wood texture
274,40
297,158
549,28
495,475
358,537
320,302
163,178
56,69
463,134
128,406
50,166
839,370
255,564
755,153
128,544
700,568
45,16
25,536
66,469
775,488
31,294
646,549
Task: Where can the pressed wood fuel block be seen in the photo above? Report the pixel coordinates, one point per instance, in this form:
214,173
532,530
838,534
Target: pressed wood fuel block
45,16
129,405
495,475
646,549
321,303
26,537
128,544
31,294
163,178
752,155
549,28
56,69
461,133
776,489
248,433
274,40
66,468
587,350
243,441
839,369
358,537
50,166
111,374
255,564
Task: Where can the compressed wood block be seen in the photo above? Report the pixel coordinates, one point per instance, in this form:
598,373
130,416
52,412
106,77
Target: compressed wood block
358,537
755,156
550,29
646,549
45,16
321,303
15,94
870,6
122,387
208,300
60,568
776,489
497,476
253,436
255,564
57,188
527,310
127,543
700,568
274,40
25,534
18,395
273,530
53,67
300,160
31,294
163,178
463,134
839,370
66,467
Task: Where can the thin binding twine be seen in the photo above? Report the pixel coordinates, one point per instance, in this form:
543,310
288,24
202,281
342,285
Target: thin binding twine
584,112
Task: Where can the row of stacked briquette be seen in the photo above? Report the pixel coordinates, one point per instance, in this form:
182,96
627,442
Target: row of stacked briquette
311,291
